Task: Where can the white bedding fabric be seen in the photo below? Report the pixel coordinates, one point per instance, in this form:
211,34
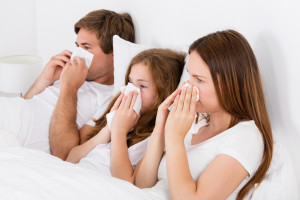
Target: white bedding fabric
32,174
35,175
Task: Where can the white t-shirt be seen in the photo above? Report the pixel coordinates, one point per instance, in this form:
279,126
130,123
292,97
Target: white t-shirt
92,97
243,142
99,158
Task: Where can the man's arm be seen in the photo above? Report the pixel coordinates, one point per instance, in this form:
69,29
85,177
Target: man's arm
63,133
50,74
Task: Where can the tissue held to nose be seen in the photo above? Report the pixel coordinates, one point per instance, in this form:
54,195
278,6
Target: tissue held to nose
187,84
137,106
85,55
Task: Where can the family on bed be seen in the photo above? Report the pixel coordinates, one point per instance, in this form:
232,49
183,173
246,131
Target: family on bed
209,138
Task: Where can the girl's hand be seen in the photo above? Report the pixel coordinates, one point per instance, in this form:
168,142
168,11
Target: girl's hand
125,117
182,114
117,102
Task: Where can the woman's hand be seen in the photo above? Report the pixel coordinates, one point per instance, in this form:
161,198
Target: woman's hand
181,115
125,117
163,112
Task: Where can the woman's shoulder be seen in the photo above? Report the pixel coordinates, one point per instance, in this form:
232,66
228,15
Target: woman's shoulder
245,129
244,142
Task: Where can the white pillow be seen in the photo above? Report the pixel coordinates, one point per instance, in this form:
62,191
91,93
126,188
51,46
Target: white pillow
124,51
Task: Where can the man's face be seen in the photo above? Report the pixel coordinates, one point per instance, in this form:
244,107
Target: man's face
102,64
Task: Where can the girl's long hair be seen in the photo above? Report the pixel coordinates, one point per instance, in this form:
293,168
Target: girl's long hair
165,67
235,72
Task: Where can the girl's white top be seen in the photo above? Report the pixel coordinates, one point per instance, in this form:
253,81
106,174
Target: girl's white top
99,158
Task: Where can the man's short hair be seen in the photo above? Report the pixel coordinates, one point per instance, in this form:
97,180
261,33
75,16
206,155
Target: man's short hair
106,24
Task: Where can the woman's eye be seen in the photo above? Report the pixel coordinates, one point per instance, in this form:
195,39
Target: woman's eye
200,80
86,48
142,86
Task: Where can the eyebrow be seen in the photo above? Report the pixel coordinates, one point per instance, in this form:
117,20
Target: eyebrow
139,80
84,43
196,74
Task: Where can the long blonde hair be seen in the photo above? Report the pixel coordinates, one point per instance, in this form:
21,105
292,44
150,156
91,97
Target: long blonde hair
234,70
166,68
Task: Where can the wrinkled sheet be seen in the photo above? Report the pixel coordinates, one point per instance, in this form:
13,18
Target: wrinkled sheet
35,175
32,174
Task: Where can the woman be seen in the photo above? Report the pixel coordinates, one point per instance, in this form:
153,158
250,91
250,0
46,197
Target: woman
231,149
116,150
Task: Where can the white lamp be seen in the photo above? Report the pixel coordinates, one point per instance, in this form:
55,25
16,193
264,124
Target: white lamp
18,73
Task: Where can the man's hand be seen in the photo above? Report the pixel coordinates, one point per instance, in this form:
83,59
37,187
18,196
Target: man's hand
54,67
50,73
73,74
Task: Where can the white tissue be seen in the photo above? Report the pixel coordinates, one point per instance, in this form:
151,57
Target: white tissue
184,86
85,55
187,84
137,106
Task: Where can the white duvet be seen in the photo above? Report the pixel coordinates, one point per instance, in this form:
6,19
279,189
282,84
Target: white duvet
35,175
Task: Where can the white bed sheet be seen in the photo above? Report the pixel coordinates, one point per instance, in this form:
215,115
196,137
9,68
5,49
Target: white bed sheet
35,175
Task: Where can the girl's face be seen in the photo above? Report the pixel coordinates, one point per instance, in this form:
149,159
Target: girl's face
200,77
140,77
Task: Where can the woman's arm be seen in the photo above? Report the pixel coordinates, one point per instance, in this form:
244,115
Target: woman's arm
218,180
146,171
222,176
82,150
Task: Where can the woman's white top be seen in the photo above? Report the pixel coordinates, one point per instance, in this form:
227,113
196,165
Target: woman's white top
242,142
99,158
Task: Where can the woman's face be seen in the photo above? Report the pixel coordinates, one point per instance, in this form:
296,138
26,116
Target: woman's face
200,77
140,77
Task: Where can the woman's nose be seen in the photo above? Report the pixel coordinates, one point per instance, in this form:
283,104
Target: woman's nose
191,82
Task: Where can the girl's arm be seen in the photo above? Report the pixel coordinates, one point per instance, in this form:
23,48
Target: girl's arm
217,181
123,121
82,150
146,170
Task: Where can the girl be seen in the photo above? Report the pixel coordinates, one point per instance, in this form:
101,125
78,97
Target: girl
231,149
157,73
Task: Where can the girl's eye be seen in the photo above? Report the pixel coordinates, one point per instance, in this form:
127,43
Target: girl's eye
142,86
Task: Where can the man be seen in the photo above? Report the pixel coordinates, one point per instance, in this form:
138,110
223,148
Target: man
29,119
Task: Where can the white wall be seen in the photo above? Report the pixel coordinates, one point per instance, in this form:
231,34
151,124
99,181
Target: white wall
17,27
272,28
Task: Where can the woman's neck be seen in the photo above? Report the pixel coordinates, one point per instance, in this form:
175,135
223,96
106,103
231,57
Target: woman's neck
219,122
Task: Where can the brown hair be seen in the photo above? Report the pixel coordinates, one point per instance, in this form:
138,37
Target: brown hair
234,70
166,68
106,24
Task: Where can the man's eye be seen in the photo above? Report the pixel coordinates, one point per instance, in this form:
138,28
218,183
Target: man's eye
86,47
